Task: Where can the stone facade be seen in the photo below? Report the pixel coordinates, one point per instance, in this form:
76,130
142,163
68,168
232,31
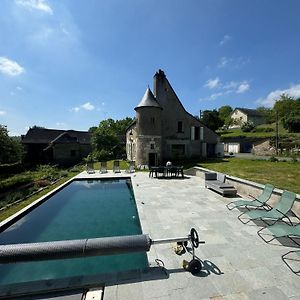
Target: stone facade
164,130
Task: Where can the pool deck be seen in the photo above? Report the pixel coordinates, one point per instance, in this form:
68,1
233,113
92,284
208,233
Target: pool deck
238,264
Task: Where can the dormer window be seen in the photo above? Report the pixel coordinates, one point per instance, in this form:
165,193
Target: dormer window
179,127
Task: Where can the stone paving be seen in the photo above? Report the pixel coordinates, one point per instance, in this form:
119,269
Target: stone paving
237,263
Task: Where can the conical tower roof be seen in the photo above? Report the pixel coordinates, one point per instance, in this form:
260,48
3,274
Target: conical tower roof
148,100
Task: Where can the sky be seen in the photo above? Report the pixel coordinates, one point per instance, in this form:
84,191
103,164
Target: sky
69,64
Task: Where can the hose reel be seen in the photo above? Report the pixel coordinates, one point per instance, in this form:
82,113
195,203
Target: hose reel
92,247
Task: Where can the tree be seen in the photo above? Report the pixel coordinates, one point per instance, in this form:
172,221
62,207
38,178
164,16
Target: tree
106,141
224,112
10,148
211,119
267,113
285,105
247,126
292,122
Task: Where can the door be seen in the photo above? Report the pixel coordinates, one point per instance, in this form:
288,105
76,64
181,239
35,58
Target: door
152,159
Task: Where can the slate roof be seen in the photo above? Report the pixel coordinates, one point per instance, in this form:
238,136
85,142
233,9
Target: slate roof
148,100
250,112
46,136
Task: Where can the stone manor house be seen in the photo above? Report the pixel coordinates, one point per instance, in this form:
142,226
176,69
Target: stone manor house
163,130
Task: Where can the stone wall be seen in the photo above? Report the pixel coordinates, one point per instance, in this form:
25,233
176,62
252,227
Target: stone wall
247,187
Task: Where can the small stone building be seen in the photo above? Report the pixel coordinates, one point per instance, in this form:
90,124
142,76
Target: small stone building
243,115
63,147
163,130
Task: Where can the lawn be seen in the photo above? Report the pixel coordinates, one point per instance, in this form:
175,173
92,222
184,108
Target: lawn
283,175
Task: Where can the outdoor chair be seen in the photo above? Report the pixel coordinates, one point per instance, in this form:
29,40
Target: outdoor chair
130,168
216,182
116,166
260,201
281,230
286,257
278,212
90,168
103,167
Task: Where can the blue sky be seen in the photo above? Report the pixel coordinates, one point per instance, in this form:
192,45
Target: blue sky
69,64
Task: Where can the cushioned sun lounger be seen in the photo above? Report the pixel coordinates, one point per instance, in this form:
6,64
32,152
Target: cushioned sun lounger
278,212
260,201
216,182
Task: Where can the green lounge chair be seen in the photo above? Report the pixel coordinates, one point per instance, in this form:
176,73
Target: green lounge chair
281,230
260,201
278,212
285,257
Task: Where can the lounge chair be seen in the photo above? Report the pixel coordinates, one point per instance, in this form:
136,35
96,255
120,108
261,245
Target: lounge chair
90,168
281,230
260,201
103,167
216,182
116,166
130,168
278,212
285,257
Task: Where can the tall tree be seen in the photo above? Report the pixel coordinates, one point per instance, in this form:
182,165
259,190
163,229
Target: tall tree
106,138
224,112
211,119
10,148
285,105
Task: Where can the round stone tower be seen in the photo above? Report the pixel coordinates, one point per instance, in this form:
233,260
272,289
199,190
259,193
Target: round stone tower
148,127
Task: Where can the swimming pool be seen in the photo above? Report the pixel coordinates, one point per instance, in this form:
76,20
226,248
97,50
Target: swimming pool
82,209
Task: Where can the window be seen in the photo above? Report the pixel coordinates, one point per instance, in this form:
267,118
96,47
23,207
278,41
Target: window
197,132
178,151
152,120
180,127
73,153
152,146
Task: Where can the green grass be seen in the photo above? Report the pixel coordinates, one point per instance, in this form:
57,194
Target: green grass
9,211
123,165
283,175
239,133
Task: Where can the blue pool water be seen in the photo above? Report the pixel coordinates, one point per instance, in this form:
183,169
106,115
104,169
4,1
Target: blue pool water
83,209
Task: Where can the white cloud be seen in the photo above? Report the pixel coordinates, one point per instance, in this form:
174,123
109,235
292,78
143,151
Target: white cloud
212,83
41,5
19,88
223,62
88,106
75,109
243,87
2,112
226,38
60,124
293,91
10,67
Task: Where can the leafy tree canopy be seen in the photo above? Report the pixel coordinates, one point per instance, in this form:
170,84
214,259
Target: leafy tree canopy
10,148
224,112
211,119
106,138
